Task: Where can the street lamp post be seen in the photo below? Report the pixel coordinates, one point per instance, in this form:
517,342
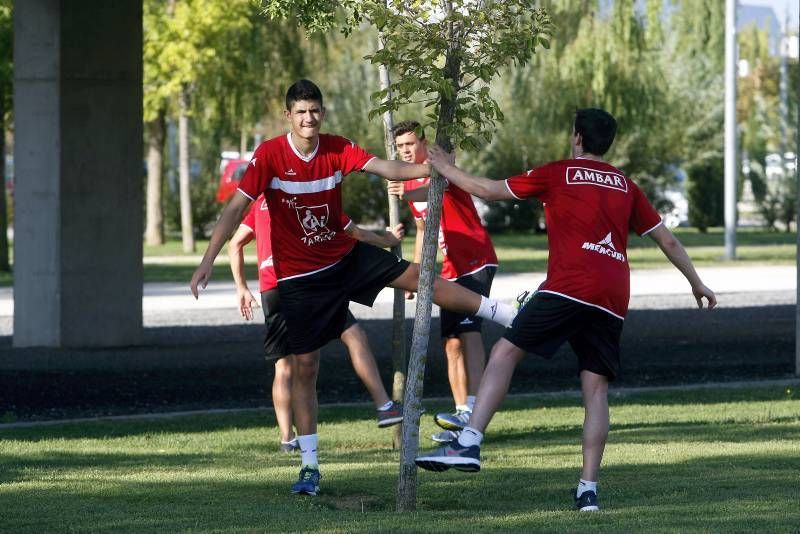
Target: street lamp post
730,129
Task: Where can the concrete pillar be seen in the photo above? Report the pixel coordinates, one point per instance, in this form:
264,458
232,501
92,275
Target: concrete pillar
79,173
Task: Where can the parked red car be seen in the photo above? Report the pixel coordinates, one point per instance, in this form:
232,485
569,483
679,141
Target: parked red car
229,180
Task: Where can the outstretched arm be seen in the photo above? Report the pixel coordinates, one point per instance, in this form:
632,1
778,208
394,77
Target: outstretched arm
397,170
227,223
394,237
246,300
482,187
675,252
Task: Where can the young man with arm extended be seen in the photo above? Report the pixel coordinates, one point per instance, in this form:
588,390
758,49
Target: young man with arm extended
590,206
256,226
320,268
469,260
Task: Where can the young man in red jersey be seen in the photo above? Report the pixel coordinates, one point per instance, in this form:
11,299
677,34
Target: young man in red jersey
256,226
469,260
590,206
320,268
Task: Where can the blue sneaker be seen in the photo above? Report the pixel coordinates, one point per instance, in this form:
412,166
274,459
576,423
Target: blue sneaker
467,459
587,502
391,416
308,483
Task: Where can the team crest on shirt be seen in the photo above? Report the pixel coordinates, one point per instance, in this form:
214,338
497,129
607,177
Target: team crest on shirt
314,222
605,247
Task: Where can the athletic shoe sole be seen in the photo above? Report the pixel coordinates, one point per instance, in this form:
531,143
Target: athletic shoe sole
443,463
448,422
302,492
440,438
391,421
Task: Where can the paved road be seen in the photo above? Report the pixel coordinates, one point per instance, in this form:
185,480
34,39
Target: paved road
185,364
171,303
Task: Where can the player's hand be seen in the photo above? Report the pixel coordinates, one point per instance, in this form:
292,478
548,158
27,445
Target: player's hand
246,303
398,233
701,292
440,159
200,279
396,188
409,295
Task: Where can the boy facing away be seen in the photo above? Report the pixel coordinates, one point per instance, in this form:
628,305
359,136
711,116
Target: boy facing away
590,206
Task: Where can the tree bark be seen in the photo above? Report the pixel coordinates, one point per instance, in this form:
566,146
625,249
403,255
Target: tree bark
187,228
407,487
156,133
399,309
242,142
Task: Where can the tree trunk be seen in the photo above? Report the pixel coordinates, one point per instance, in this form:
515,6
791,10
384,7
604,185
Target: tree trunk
407,487
156,133
187,230
242,142
399,310
4,263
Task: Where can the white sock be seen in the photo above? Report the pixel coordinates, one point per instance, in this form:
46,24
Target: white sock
470,402
308,449
496,311
385,406
463,408
469,437
586,485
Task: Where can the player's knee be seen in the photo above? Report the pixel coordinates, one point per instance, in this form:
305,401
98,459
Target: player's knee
306,370
283,372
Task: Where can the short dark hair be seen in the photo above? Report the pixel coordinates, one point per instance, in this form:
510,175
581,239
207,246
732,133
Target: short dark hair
402,128
597,128
302,90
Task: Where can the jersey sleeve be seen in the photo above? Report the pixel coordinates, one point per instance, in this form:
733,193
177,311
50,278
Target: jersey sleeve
534,183
256,178
354,158
644,217
346,221
249,220
418,209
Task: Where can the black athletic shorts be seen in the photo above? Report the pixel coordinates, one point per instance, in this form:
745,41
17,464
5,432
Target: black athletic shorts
315,306
455,323
548,320
276,340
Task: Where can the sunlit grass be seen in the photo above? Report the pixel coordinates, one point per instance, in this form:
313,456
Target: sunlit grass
676,461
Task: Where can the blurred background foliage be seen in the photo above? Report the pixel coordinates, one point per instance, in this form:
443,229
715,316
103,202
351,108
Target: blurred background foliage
657,66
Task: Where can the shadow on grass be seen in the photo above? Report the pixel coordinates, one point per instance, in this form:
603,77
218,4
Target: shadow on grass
637,433
265,418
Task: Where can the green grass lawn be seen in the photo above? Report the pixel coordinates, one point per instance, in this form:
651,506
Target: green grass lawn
521,253
708,460
518,253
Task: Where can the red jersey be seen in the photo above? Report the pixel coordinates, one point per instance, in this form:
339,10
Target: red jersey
464,242
304,196
590,207
418,209
257,220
